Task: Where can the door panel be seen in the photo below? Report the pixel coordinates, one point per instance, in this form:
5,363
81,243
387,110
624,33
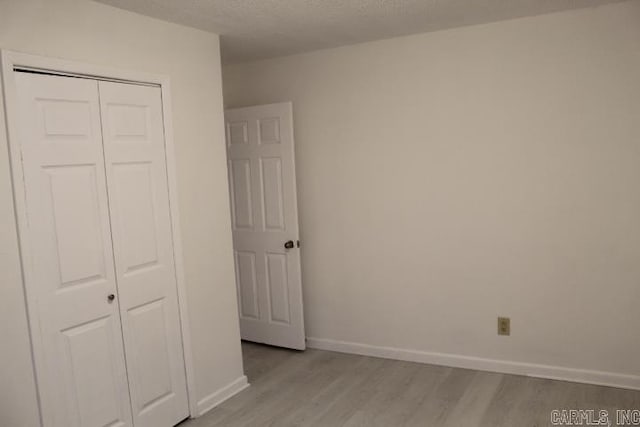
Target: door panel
136,172
278,286
80,357
241,197
134,193
272,194
269,130
76,223
151,358
90,359
247,284
264,216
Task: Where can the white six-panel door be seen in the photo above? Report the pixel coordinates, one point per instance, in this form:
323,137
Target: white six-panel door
110,346
264,218
141,229
82,379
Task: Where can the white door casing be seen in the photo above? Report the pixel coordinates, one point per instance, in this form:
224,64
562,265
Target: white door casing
264,215
72,284
81,369
134,147
68,156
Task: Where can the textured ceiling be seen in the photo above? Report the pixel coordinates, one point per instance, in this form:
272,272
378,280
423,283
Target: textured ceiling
255,29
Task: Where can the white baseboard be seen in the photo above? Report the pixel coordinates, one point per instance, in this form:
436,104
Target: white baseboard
502,366
217,397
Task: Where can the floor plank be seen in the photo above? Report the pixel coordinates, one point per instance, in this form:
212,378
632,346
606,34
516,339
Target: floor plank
326,389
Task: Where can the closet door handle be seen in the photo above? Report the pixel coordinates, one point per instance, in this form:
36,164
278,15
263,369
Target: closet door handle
111,297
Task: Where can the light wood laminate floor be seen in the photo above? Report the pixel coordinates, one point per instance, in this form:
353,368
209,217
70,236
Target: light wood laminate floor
323,388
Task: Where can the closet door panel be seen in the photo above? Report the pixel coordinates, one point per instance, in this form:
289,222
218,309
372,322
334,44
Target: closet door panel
139,204
76,330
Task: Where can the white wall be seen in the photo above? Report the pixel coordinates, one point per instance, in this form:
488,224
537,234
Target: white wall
448,178
90,32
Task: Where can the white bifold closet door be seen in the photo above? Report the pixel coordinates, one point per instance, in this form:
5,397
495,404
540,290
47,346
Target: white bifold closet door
136,168
82,378
101,285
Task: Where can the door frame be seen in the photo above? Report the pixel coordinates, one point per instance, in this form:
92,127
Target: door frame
9,62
